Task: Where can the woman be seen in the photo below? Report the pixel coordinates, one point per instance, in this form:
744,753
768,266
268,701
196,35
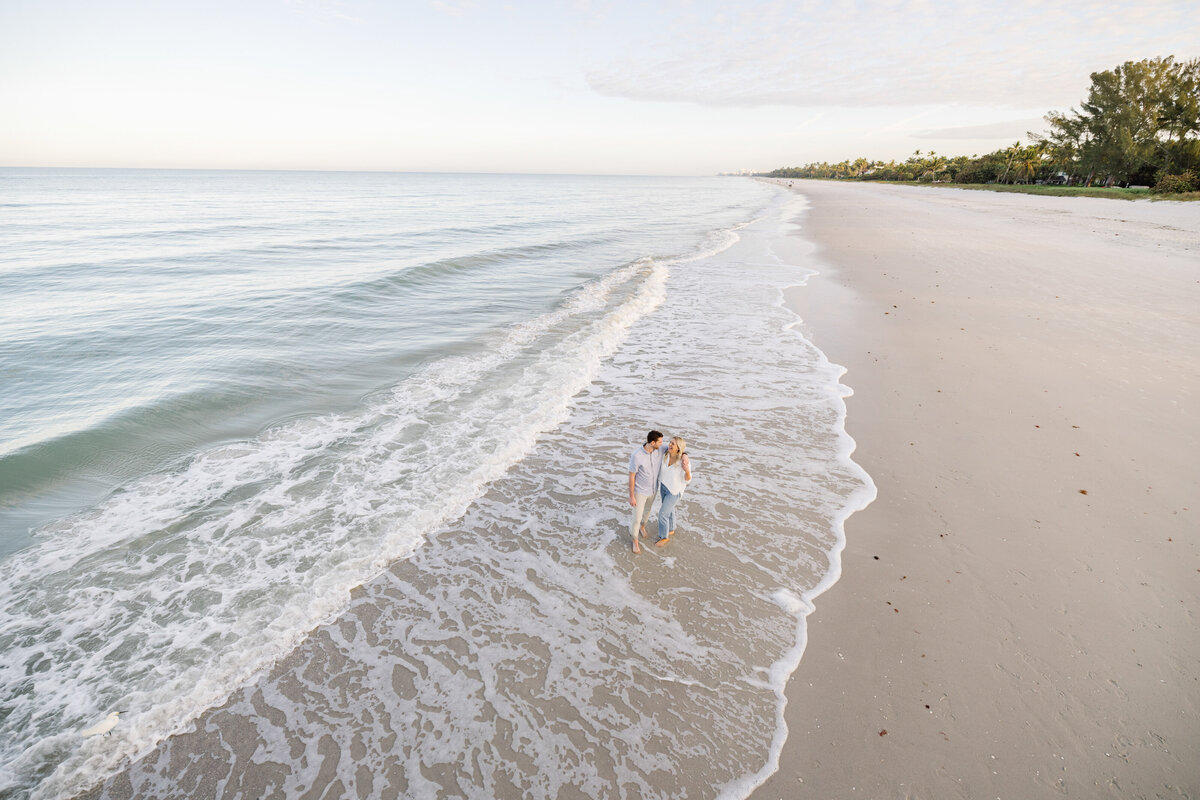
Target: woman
673,477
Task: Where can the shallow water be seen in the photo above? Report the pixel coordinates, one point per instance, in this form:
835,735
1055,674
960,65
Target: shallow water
505,641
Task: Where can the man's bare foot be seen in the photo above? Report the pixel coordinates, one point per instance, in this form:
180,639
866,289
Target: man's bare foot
662,542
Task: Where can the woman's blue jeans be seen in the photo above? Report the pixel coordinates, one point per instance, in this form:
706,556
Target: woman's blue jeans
666,511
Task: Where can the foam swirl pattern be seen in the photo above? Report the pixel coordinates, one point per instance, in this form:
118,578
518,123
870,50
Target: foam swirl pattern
231,398
521,650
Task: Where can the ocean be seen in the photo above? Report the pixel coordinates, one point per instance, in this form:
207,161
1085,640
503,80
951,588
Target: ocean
320,479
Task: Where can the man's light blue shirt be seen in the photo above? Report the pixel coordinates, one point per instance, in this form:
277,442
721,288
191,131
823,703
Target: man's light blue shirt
645,466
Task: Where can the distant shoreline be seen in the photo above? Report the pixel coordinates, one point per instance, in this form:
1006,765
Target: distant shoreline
1109,193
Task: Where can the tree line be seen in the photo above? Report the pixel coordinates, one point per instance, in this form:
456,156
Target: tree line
1140,125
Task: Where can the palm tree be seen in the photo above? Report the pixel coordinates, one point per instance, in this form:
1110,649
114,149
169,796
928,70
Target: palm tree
1010,158
937,165
1029,161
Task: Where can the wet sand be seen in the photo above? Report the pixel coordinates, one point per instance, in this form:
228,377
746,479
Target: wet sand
1016,615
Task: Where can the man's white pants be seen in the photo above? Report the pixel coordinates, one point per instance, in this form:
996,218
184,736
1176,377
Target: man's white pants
641,513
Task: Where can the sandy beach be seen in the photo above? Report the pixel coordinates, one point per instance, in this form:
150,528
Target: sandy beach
1016,616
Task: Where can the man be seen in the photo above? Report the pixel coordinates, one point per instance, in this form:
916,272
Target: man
643,484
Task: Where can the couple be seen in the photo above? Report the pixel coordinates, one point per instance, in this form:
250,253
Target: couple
657,469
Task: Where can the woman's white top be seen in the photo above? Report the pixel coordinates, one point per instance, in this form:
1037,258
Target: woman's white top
672,477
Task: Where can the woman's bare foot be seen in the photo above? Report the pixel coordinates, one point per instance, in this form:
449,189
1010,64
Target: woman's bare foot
642,532
636,547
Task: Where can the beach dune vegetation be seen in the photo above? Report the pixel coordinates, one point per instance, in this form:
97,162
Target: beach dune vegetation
1187,181
1139,126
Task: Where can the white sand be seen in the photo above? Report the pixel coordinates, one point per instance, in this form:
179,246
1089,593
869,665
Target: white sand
1012,635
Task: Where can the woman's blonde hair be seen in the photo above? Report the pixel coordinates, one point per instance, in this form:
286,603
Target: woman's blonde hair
680,442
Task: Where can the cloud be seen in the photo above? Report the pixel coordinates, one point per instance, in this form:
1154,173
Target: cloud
1010,129
455,8
1022,53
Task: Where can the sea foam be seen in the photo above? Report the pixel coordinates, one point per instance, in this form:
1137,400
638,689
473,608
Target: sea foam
522,649
436,586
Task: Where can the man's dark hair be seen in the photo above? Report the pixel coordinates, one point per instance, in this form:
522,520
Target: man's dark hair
652,435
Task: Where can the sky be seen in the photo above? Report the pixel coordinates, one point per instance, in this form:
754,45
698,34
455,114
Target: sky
668,88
